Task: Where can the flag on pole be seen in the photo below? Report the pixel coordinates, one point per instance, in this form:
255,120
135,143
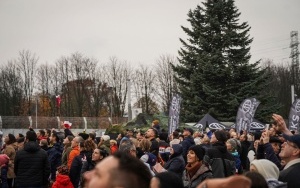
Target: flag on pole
245,114
174,113
294,116
58,101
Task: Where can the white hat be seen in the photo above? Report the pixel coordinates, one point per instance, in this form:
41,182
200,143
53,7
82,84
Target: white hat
105,137
266,168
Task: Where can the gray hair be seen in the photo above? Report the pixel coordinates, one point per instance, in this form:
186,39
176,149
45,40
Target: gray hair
126,146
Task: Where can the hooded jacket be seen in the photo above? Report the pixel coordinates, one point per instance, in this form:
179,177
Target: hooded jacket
176,162
31,166
62,181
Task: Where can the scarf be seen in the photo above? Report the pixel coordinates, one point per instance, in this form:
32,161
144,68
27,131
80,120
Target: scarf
192,169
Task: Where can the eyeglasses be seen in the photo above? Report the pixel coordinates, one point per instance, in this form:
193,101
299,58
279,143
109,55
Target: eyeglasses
292,145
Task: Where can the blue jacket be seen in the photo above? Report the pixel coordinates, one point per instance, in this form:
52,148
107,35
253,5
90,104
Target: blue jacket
54,157
265,151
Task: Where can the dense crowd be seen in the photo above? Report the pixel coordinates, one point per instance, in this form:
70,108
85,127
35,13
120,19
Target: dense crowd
184,159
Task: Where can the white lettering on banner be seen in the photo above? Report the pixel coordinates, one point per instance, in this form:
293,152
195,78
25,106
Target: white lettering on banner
295,118
297,106
294,125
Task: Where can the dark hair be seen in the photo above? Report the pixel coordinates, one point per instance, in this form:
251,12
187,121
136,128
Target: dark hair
42,132
155,132
175,134
54,134
258,181
131,172
48,132
21,139
92,136
11,139
31,136
103,152
169,180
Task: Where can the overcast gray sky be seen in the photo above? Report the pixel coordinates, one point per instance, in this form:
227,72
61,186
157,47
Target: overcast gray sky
138,31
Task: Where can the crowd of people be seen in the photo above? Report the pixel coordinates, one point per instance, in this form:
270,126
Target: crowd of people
153,159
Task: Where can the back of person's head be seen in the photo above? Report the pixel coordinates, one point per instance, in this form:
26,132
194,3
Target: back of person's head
92,136
42,132
131,172
126,146
89,145
145,145
266,168
11,139
63,170
55,134
221,135
31,136
167,180
175,134
258,181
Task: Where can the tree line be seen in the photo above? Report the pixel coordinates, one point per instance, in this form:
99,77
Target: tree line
212,74
86,87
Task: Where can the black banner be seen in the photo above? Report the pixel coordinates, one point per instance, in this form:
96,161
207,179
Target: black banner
294,115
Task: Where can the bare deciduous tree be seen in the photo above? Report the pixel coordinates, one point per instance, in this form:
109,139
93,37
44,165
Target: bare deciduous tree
165,80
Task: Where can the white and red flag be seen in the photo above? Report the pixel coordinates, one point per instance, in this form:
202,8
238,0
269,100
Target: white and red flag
58,101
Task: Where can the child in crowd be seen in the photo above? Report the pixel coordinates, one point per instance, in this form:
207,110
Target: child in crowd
62,178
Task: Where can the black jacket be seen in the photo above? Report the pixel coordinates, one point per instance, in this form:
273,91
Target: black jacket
32,167
221,161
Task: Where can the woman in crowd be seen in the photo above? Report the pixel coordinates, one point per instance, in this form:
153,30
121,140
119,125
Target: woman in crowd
196,169
176,162
231,145
86,150
67,149
113,146
10,151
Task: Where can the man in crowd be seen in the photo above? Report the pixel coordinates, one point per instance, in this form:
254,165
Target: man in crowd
75,149
221,161
151,135
31,164
290,154
54,154
119,170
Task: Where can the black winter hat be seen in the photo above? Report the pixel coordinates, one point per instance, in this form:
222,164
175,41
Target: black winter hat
199,151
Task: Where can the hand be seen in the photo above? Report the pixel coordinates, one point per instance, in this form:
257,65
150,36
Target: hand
265,138
280,124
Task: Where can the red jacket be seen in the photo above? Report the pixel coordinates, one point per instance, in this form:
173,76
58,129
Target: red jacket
62,181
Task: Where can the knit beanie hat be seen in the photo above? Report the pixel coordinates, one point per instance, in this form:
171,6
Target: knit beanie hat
3,159
199,151
266,168
105,137
221,135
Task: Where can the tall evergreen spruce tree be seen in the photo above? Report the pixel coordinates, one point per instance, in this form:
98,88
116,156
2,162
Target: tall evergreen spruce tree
214,73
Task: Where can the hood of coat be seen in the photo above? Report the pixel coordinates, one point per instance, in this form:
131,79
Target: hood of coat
63,179
31,147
